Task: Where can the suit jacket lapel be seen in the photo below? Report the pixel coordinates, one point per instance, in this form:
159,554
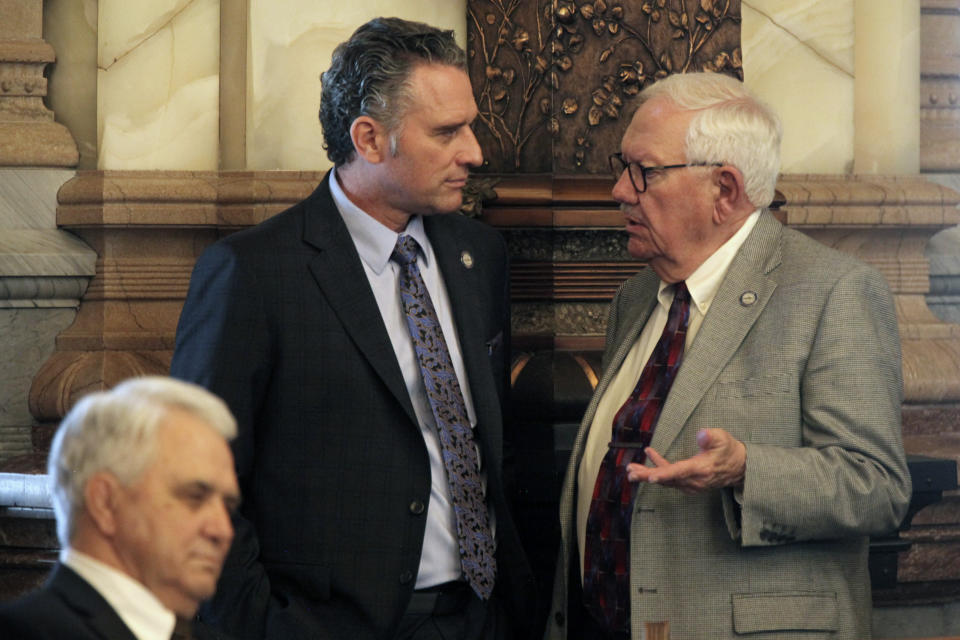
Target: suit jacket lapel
462,288
89,604
732,313
339,273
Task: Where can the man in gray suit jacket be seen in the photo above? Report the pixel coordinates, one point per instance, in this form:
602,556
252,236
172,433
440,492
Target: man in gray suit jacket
350,526
751,481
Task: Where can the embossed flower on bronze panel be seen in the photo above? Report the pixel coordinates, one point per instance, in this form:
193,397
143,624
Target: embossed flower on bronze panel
520,39
566,12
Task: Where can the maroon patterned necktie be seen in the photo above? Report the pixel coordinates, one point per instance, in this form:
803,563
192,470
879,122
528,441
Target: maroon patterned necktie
606,557
460,457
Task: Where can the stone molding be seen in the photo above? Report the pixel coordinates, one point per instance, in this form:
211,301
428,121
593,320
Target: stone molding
939,85
887,222
41,293
28,135
148,227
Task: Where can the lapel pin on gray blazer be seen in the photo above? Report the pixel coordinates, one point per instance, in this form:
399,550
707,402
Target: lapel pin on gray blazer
357,437
142,484
751,478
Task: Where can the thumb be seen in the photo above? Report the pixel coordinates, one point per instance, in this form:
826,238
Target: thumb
704,439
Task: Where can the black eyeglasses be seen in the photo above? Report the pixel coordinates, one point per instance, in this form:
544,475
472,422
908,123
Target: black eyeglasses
618,165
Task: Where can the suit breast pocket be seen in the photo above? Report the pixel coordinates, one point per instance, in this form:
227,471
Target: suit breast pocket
757,409
764,386
786,611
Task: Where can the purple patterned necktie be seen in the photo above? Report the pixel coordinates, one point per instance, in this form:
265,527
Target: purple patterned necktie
460,457
606,557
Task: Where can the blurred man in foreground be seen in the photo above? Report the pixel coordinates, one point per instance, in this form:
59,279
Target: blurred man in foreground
143,486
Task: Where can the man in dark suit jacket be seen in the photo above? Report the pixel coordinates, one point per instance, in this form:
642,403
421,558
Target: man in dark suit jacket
66,607
142,481
348,528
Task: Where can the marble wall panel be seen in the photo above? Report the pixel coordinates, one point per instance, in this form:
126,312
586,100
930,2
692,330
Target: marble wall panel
28,197
25,344
887,112
71,29
558,319
158,86
566,245
290,46
799,53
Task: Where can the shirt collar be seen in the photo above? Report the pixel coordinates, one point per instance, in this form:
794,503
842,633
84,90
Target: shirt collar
374,241
704,282
136,605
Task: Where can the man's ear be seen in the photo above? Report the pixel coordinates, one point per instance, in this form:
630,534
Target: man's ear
370,139
731,199
100,497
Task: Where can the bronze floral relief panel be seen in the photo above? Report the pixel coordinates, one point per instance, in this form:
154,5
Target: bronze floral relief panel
555,79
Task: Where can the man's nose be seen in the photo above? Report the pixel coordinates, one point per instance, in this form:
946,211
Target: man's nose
623,189
472,154
218,524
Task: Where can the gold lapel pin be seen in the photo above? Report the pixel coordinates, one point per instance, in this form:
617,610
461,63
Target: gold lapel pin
747,298
466,259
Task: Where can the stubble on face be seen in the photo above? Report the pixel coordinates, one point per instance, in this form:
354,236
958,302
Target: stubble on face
434,147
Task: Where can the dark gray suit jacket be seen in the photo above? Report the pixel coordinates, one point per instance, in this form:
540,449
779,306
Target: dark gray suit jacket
280,321
65,608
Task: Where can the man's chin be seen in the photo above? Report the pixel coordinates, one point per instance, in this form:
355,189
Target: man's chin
639,249
451,205
202,587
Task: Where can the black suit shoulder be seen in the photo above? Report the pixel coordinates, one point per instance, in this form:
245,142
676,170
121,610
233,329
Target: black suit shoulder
469,228
65,608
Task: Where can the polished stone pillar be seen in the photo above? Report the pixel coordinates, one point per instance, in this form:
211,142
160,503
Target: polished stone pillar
43,271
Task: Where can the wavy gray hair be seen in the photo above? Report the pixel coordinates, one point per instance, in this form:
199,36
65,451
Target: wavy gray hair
369,75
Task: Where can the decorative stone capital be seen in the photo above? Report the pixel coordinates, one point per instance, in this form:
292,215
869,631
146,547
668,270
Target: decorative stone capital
28,135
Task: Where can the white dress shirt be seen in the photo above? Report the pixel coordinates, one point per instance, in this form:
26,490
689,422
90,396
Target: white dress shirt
139,609
440,556
703,285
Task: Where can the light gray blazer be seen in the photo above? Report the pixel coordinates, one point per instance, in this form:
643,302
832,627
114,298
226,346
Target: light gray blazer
799,358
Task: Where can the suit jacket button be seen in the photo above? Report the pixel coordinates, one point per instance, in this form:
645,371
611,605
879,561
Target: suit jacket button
558,617
417,507
406,577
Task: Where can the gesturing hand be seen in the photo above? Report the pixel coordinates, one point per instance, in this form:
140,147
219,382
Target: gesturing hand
721,462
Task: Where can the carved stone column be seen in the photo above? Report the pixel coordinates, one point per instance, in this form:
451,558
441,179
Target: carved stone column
28,134
43,271
147,229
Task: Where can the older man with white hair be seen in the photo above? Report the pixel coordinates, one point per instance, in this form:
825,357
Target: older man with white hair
744,440
143,485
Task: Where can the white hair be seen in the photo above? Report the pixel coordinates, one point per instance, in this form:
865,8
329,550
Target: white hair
116,431
732,127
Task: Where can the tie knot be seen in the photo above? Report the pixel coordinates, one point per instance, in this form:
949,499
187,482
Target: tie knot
406,251
680,292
